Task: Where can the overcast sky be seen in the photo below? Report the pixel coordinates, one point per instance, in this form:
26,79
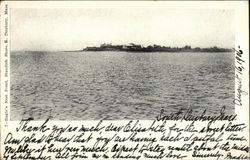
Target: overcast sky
74,29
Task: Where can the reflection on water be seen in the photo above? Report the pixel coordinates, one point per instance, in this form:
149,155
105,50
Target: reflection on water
118,85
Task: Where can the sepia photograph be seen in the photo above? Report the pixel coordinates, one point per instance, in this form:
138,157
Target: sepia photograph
124,80
120,63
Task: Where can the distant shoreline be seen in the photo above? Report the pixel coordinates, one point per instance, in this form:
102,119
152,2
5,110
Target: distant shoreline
73,51
152,48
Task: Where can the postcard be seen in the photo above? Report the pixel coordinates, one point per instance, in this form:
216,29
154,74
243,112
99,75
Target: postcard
124,80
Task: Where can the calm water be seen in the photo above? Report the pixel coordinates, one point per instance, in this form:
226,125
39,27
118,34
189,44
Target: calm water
118,85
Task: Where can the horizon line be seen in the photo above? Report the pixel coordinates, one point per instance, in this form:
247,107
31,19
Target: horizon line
57,50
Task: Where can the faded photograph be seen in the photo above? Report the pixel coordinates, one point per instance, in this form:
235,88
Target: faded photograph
118,64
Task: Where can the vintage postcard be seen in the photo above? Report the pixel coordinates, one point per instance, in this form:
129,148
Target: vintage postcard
124,80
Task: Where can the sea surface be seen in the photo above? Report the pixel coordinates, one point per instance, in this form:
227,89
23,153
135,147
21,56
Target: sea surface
118,85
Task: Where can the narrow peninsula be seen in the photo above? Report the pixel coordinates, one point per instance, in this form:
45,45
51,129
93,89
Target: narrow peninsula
153,48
